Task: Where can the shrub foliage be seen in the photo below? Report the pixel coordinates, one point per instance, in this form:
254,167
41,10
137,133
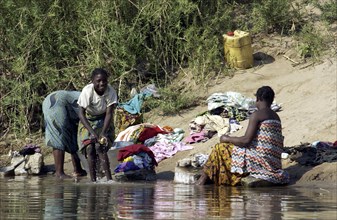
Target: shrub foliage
53,45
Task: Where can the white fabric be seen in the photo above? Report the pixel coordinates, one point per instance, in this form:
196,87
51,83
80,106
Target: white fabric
126,134
94,103
234,127
199,160
230,98
138,161
214,123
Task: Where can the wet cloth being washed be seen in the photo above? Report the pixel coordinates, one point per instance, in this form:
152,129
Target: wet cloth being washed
60,111
262,159
96,122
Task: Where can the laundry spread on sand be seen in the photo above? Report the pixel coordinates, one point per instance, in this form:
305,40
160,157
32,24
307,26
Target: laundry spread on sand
134,105
141,145
237,105
163,150
164,142
225,111
313,154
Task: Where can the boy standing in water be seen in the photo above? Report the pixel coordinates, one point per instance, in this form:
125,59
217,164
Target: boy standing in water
95,134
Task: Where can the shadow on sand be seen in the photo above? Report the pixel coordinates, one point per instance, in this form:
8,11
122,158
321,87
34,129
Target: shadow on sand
261,58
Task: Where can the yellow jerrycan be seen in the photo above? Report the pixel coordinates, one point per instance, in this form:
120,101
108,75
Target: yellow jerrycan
238,49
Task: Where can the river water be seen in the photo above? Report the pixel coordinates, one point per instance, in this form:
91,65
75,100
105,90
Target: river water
48,198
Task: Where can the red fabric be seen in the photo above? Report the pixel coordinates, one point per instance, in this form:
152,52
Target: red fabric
134,149
86,142
150,132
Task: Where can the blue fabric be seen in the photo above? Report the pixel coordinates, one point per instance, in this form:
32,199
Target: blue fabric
126,166
135,104
61,119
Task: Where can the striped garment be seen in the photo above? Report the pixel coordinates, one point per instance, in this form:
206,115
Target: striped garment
262,159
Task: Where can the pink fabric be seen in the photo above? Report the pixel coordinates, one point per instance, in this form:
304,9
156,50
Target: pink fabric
196,137
163,150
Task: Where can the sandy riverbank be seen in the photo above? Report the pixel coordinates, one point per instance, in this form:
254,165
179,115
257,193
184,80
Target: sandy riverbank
308,114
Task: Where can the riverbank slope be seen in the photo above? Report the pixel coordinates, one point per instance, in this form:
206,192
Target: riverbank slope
308,113
307,95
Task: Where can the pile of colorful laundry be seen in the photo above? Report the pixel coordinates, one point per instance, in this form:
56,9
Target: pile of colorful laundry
135,157
130,112
143,146
225,111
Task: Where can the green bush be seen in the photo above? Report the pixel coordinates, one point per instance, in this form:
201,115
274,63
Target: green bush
172,101
271,15
53,45
310,42
329,11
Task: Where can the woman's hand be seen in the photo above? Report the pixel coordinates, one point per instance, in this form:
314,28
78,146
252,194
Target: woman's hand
103,140
94,136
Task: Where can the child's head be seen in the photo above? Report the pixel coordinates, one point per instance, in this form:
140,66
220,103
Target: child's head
99,78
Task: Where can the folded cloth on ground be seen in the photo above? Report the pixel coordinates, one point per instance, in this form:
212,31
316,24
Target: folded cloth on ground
126,166
135,149
149,132
30,149
230,98
196,137
163,150
132,133
210,123
313,154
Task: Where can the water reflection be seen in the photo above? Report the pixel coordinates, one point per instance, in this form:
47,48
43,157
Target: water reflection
134,202
47,198
61,200
178,202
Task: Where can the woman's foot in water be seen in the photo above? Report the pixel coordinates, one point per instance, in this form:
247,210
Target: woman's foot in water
79,173
202,179
250,181
62,176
